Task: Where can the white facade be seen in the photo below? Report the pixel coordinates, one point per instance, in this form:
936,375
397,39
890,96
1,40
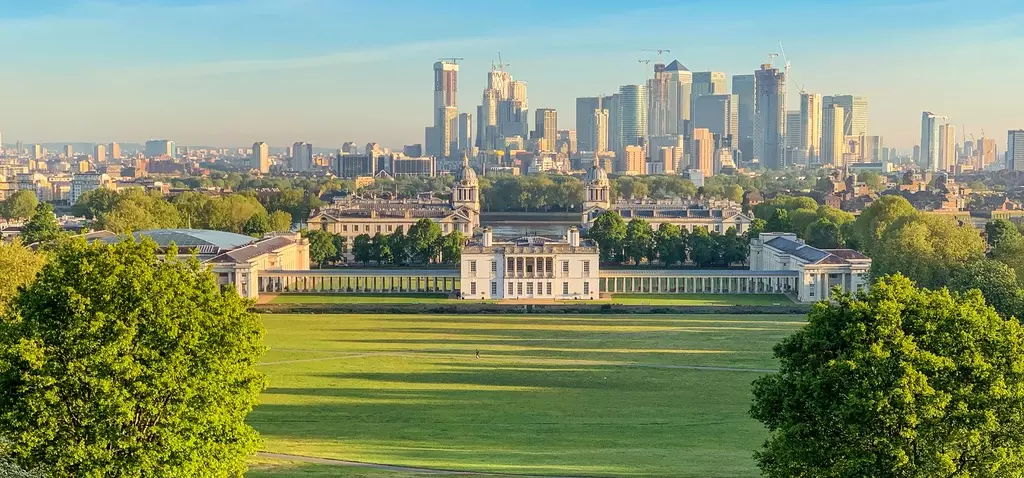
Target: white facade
820,270
85,182
530,268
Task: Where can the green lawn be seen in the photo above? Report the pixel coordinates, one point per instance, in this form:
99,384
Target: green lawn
624,299
271,468
566,395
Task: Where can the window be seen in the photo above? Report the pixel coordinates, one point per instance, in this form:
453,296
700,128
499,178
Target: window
378,228
390,227
586,288
510,266
548,288
472,288
548,265
565,288
529,267
565,267
344,228
519,288
494,266
355,228
511,288
472,267
586,268
529,288
494,288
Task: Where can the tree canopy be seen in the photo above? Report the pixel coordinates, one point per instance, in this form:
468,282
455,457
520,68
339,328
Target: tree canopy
19,205
877,217
20,266
896,381
114,362
42,227
926,248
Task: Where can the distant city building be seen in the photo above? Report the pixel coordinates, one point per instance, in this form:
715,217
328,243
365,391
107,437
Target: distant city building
669,94
402,165
947,147
302,156
82,183
704,151
985,150
465,132
794,153
444,132
633,123
832,138
100,153
599,131
567,139
36,151
68,151
115,151
929,157
708,83
613,104
546,133
1015,150
160,148
586,113
260,157
744,87
856,109
770,117
412,150
350,147
718,113
633,161
810,126
873,149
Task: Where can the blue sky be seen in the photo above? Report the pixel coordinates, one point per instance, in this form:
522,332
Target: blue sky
230,72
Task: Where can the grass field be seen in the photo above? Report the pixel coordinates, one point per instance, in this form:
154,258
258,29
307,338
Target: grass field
624,299
569,396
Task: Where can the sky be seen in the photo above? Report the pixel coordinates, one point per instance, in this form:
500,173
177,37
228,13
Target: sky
231,72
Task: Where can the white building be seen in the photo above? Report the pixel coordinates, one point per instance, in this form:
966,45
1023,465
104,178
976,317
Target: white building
84,182
530,268
1015,150
819,270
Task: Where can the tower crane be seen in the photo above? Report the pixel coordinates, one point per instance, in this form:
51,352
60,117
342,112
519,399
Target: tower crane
455,60
500,66
659,51
771,58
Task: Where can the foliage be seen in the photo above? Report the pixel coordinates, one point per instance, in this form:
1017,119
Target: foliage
704,250
734,248
257,226
926,248
874,181
999,230
42,227
609,230
639,245
780,221
424,240
117,363
280,221
20,266
362,248
898,382
451,247
19,205
1010,251
670,244
535,192
127,211
10,469
321,246
996,281
877,217
824,234
768,208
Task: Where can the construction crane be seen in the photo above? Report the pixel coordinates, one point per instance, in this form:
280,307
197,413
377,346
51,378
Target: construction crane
455,60
771,58
500,66
659,51
647,64
788,77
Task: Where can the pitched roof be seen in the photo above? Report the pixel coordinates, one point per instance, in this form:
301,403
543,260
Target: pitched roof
253,250
675,66
797,249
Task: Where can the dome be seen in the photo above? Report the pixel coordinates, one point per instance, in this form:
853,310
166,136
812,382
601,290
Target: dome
596,176
466,176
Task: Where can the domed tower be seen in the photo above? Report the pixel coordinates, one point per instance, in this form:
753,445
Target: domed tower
466,190
599,191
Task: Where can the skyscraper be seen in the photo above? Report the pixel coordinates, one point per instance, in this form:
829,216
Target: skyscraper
302,156
36,151
810,126
446,111
743,86
856,108
465,132
613,104
633,105
68,151
718,113
546,132
770,117
832,137
929,158
100,153
115,151
708,83
585,116
633,160
599,132
704,151
1015,150
260,157
947,147
159,148
669,99
794,154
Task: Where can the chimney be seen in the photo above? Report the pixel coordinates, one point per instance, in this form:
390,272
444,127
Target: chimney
488,237
574,236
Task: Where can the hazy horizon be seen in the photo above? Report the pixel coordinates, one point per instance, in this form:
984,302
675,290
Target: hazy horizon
231,72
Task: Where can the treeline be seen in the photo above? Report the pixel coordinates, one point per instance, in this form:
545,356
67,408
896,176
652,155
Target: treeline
820,226
424,244
638,243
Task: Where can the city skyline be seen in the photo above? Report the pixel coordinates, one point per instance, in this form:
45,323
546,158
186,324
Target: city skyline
168,69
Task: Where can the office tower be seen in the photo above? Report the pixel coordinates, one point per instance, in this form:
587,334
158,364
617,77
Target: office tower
770,117
856,108
444,132
1015,150
585,116
115,151
302,156
832,137
465,132
810,126
794,154
68,151
633,160
704,151
669,99
260,157
874,149
929,157
159,148
36,152
676,142
513,111
986,152
613,104
100,153
917,154
568,139
708,83
633,107
599,133
546,132
947,147
718,113
743,86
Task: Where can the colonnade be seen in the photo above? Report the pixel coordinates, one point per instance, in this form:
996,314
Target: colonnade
760,284
311,282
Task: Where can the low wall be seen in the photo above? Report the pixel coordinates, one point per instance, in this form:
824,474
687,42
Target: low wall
510,309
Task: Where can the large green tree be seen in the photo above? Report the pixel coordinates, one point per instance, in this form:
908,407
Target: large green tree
639,243
423,240
995,280
321,246
896,382
999,230
115,362
280,221
258,225
670,245
20,266
19,205
362,249
42,227
609,230
877,217
1010,251
926,248
451,247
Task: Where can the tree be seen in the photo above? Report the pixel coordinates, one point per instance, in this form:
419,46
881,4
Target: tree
257,226
280,221
609,230
399,244
703,248
639,243
321,246
20,266
779,221
734,193
423,240
451,247
999,230
19,205
757,226
734,249
42,227
996,281
10,469
897,382
926,248
874,220
362,249
873,180
824,234
115,362
669,244
340,248
381,249
1010,251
